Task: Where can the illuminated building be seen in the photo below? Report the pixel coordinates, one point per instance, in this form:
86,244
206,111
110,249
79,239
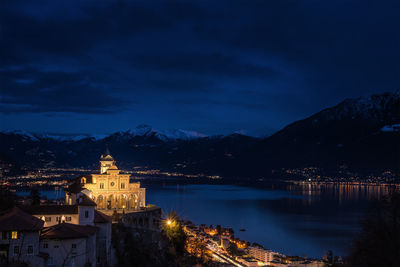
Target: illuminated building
110,189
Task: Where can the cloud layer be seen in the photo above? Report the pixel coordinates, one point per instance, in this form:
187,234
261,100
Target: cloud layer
209,66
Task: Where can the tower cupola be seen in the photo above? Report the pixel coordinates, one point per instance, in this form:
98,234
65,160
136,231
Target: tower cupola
106,161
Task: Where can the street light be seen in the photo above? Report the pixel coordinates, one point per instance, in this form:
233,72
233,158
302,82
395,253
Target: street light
169,222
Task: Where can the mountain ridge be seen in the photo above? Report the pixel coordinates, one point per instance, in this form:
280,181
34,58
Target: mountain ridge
361,133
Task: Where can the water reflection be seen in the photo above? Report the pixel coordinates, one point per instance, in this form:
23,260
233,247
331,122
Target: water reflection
294,219
339,192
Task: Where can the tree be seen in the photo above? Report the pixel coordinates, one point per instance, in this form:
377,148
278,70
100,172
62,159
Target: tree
174,231
35,196
231,232
219,229
331,260
7,198
233,250
379,241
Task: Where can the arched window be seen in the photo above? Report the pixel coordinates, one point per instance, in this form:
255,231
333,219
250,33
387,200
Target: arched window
99,202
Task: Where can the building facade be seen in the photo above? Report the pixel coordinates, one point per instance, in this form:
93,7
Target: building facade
264,255
110,189
73,235
19,240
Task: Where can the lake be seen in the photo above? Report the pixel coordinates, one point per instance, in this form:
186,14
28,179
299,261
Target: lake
292,219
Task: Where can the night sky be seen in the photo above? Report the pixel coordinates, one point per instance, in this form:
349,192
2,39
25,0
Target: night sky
211,66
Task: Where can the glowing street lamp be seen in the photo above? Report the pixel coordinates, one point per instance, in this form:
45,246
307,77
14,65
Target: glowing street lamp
169,222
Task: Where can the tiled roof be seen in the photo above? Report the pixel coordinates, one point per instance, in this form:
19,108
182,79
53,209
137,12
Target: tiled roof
68,231
84,200
100,217
50,209
76,186
16,219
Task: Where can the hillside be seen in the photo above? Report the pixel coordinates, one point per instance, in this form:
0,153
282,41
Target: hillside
362,134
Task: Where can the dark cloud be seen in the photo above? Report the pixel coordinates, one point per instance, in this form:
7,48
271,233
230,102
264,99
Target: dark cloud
204,64
27,90
177,84
262,64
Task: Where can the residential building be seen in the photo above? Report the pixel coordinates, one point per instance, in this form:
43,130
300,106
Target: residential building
69,245
261,254
20,238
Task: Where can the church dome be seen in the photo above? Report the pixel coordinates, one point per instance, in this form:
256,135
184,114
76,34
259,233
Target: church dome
106,158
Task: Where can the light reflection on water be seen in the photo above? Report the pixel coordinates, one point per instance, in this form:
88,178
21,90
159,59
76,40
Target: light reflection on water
297,219
306,219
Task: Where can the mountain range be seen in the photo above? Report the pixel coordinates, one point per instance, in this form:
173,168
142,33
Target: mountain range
362,134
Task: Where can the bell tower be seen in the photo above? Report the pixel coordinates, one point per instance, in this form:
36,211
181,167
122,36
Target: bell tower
106,161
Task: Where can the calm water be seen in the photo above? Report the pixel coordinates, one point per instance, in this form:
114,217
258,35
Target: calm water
297,220
294,220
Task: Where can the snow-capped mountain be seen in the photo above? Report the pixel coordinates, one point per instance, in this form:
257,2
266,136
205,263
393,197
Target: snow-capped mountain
141,130
374,107
164,135
361,133
54,136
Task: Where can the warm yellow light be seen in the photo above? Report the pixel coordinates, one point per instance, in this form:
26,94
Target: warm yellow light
169,222
14,235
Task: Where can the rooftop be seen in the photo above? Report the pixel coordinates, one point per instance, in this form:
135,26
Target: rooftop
50,209
100,217
16,219
68,231
84,200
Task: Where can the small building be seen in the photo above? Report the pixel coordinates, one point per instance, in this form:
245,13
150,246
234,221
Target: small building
82,213
261,254
20,238
69,245
148,218
54,214
103,238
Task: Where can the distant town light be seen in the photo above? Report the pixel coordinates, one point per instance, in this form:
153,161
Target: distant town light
169,222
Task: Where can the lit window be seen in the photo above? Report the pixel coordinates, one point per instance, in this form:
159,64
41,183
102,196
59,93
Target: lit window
68,219
101,186
122,185
16,250
47,219
14,235
30,250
